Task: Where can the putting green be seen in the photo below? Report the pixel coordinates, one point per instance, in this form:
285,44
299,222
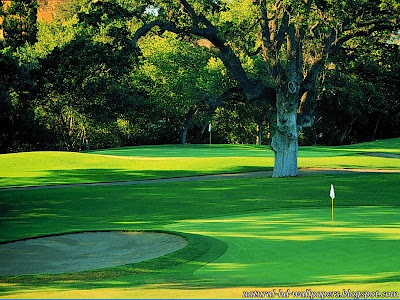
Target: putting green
252,233
300,247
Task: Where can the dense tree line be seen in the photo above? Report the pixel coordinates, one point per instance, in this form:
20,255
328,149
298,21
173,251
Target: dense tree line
82,82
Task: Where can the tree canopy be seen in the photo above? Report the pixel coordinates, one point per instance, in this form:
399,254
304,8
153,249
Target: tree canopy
19,22
112,73
295,39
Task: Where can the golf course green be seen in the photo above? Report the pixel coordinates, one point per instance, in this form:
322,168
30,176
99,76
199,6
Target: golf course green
164,161
243,234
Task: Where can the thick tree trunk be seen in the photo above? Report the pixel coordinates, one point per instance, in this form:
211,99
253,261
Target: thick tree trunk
285,141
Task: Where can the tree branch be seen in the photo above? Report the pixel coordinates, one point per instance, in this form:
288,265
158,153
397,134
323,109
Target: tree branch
212,41
292,46
376,22
252,53
191,12
265,32
366,32
332,43
312,28
304,112
166,26
280,36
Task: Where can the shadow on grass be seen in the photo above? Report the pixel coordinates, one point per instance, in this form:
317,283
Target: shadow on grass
38,212
302,247
75,176
194,206
266,249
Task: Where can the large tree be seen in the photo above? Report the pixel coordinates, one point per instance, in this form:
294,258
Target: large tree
293,38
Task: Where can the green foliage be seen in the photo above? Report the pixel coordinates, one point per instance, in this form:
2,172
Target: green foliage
67,10
81,84
176,75
8,75
19,22
18,129
238,122
107,22
360,94
238,22
82,91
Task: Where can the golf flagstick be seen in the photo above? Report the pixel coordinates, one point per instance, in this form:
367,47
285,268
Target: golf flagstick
332,194
209,130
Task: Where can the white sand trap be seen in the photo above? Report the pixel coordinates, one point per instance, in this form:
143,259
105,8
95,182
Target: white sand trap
84,251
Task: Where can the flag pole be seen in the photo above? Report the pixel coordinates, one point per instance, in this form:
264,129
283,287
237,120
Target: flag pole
333,220
332,194
209,130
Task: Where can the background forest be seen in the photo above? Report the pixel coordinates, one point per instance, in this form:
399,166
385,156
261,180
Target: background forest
76,83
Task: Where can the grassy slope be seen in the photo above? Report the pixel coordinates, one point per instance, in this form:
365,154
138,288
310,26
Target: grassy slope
259,226
41,168
133,163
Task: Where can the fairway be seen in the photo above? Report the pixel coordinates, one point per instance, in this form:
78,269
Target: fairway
187,149
168,161
241,233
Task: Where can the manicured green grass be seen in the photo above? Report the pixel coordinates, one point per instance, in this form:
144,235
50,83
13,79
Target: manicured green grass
242,234
247,232
144,162
387,146
194,151
265,247
44,168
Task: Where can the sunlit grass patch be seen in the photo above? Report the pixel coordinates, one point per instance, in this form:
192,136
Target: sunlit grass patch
243,233
360,246
44,168
166,161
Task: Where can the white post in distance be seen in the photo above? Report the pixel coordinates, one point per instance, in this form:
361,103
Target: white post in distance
332,194
209,130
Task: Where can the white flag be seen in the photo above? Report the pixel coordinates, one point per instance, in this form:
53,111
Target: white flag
332,193
209,127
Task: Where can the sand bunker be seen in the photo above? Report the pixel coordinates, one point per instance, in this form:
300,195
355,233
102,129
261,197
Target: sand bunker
84,251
